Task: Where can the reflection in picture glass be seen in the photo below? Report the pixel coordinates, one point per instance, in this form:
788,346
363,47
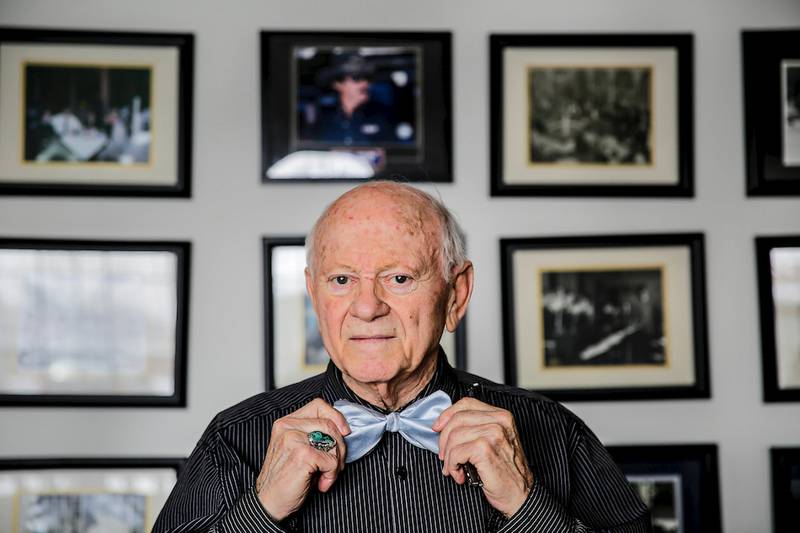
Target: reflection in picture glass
785,264
661,495
87,114
82,513
791,111
71,315
594,115
603,317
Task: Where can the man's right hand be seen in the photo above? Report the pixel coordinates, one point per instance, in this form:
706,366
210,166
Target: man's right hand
292,465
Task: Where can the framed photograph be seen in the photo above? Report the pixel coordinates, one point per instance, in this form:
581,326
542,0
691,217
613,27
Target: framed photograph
72,495
771,69
678,483
591,115
95,113
293,345
93,323
785,489
606,317
356,105
778,265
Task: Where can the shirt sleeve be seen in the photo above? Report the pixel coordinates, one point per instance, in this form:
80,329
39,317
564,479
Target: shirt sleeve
601,499
202,500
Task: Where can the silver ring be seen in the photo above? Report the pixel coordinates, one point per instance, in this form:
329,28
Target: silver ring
321,441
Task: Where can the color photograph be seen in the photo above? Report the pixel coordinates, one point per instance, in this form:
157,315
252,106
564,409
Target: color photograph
87,114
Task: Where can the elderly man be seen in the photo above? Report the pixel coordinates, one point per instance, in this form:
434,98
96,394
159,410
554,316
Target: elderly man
389,438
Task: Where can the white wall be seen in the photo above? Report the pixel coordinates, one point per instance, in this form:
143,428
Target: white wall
231,210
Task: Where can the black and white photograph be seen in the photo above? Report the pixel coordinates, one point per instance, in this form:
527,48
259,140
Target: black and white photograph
590,115
771,78
84,495
791,112
82,513
87,114
679,483
662,496
778,261
356,105
96,113
605,317
293,348
92,322
785,463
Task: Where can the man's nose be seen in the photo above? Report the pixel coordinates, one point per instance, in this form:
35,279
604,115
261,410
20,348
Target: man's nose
368,304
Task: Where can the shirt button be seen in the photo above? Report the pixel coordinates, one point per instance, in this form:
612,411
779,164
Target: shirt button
401,472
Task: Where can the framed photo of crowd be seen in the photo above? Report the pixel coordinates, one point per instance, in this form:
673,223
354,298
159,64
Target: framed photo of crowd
606,317
678,483
356,105
293,345
93,323
95,113
778,266
84,494
785,489
771,73
591,115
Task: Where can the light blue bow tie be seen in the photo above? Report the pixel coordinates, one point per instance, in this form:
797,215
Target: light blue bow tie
413,423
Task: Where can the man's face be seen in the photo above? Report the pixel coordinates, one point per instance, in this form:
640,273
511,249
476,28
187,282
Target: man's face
353,88
377,288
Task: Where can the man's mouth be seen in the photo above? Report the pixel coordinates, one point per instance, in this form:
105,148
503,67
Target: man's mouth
371,338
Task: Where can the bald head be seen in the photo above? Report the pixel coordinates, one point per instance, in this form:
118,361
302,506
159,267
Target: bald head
420,214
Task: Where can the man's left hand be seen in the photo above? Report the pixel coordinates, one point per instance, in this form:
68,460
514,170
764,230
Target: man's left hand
486,436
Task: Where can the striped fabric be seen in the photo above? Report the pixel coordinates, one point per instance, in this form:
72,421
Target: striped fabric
398,487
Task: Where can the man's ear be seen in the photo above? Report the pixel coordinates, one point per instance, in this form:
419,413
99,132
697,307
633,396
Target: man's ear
460,293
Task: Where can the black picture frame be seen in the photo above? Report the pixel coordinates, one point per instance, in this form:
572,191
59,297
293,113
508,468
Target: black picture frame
669,266
767,58
785,466
516,174
168,166
269,245
772,361
71,470
694,466
84,395
419,148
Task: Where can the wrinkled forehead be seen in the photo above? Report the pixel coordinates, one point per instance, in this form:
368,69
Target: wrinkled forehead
380,227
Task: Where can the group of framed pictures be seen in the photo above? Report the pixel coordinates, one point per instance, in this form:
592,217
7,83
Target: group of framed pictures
619,317
110,113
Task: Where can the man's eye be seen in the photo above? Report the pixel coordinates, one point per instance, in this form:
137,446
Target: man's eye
340,280
400,279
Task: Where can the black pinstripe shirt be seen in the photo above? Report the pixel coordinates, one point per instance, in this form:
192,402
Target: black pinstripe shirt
398,487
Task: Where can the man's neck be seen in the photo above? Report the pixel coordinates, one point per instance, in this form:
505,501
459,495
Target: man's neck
396,394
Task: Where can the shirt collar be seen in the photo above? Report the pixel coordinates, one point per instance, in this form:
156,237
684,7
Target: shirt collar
443,379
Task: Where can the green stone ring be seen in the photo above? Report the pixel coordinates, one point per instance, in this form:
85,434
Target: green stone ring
321,441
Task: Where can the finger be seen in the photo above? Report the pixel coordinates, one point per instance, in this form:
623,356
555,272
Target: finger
319,408
325,425
314,461
479,453
471,419
464,404
491,432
